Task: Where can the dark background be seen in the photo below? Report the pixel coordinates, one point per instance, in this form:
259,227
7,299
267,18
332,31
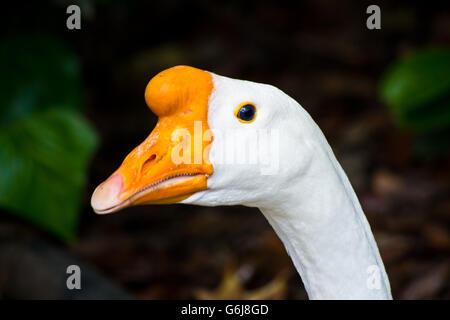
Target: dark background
318,52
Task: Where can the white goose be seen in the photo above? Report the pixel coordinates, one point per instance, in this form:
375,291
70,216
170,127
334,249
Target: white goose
307,199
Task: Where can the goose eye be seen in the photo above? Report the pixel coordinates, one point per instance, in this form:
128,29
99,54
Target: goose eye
246,112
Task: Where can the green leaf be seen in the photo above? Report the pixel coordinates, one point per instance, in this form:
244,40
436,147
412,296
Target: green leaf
43,161
417,90
38,72
45,144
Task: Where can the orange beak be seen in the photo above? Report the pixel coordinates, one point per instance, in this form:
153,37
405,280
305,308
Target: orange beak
172,163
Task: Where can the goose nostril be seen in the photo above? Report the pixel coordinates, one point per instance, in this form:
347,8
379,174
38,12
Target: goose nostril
148,162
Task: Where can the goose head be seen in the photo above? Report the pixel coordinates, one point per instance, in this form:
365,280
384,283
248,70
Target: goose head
222,141
218,141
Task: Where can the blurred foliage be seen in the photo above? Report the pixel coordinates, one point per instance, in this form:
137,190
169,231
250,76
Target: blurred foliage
45,142
232,287
39,73
417,90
